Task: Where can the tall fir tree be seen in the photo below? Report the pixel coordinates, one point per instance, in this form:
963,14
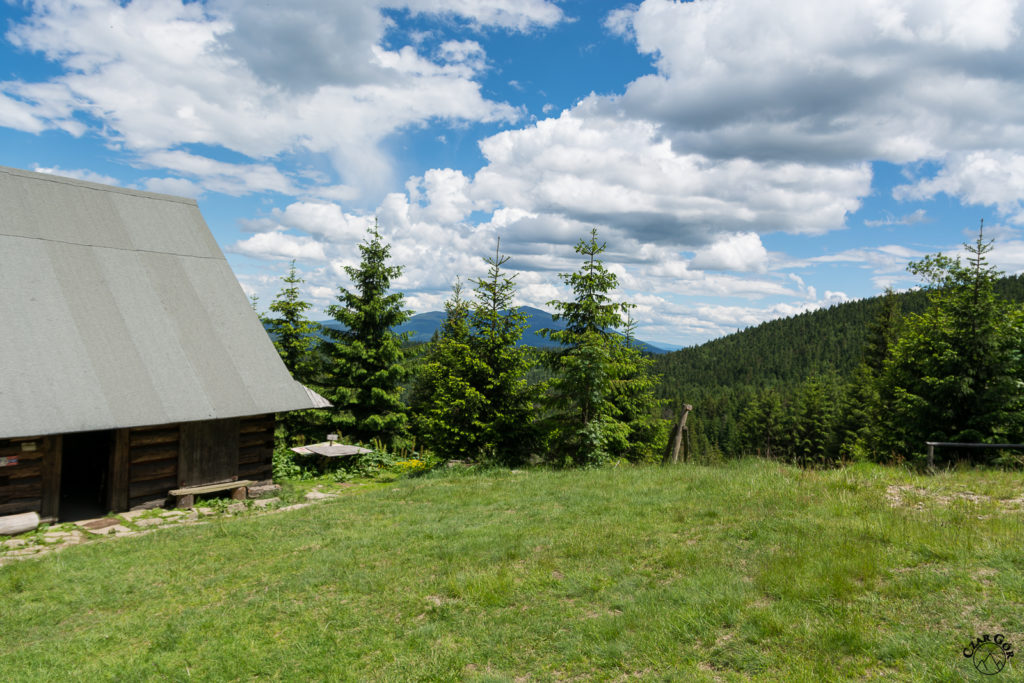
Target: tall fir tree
295,339
366,359
497,327
601,396
472,399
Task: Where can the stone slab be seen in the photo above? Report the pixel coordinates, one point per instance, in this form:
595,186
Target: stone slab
99,524
263,489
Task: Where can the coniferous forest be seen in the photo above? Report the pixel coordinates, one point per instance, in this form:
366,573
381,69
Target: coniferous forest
872,379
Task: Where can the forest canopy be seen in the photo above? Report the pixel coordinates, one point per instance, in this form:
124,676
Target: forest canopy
871,379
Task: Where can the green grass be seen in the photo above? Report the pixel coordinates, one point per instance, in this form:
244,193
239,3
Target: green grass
745,571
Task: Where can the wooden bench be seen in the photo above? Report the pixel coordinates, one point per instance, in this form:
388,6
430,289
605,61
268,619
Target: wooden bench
186,497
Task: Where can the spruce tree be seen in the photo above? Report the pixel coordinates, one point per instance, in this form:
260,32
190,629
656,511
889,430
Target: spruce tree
882,332
366,367
956,373
447,407
472,399
294,335
761,424
497,328
295,339
602,395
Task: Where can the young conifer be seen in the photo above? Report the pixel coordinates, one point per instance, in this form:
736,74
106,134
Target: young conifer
957,370
365,353
295,339
472,399
447,406
602,395
497,328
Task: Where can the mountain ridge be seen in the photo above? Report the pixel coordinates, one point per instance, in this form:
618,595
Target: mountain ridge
422,326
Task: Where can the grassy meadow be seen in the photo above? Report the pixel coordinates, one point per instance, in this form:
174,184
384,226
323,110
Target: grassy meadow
744,571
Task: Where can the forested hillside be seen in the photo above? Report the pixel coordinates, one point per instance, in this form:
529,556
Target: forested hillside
722,377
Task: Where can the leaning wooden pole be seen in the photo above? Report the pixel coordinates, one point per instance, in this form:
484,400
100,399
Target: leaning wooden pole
672,454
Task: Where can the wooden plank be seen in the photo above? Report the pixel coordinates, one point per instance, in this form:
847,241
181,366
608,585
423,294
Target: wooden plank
145,489
247,456
160,469
23,471
23,505
120,467
152,428
25,488
157,452
209,452
259,423
24,459
256,439
257,428
16,451
257,472
210,488
162,436
49,505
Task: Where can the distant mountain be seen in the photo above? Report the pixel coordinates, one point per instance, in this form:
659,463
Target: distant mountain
421,328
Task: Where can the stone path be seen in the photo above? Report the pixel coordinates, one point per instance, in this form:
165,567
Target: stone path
134,522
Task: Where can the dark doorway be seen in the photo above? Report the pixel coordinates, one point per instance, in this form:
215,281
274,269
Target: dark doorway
85,464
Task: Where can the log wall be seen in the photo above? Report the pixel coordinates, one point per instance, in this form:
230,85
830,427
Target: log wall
144,465
256,447
152,455
33,484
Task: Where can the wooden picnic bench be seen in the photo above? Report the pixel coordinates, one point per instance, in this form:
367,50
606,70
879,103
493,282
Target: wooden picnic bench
186,497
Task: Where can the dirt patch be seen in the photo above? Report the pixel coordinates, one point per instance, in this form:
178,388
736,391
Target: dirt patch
902,495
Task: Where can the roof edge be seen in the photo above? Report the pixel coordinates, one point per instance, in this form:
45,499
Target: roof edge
89,185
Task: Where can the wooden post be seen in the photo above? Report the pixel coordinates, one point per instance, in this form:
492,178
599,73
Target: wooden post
931,457
672,454
50,507
686,443
120,463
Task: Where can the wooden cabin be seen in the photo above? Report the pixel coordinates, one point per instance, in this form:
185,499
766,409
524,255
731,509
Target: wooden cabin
131,361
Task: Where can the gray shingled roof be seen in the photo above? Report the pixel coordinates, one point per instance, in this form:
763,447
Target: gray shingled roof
118,309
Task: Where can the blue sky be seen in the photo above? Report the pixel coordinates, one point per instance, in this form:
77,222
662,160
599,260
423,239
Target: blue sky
744,160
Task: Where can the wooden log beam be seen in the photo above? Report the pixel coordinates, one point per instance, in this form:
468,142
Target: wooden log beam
23,505
160,469
162,436
256,439
18,524
144,489
22,471
153,453
25,488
